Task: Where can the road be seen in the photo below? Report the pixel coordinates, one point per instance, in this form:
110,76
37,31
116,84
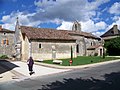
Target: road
103,77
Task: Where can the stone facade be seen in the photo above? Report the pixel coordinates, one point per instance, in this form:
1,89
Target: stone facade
6,42
43,49
48,44
51,49
84,42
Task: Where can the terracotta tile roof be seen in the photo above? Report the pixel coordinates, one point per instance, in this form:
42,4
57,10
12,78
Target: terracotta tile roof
6,31
93,47
45,33
112,32
85,34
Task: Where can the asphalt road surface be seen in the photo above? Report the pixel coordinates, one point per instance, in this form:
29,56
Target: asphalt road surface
104,77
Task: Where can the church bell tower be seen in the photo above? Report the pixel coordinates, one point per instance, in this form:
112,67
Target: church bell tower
17,40
76,26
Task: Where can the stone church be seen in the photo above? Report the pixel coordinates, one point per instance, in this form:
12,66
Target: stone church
46,43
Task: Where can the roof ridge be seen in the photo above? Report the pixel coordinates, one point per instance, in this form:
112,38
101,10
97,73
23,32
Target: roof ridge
43,33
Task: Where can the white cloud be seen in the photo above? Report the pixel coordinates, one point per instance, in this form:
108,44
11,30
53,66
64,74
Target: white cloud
94,28
95,4
67,10
101,25
91,26
115,8
62,12
10,20
115,18
88,26
117,22
98,33
65,26
8,26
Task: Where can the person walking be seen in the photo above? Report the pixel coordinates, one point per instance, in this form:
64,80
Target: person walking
30,63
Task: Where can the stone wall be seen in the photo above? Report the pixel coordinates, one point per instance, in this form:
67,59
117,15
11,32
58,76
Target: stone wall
7,49
61,50
25,49
109,37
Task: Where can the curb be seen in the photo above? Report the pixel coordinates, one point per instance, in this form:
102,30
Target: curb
76,67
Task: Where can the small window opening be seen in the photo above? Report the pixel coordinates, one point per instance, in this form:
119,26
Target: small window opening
40,46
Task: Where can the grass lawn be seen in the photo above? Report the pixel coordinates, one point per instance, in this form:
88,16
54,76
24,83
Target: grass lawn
82,60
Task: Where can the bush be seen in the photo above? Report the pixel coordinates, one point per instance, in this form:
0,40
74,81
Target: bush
3,57
113,46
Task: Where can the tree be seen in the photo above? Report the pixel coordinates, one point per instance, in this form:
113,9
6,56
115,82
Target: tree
113,46
71,53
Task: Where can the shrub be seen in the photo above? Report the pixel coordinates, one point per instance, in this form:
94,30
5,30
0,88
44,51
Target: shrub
113,46
3,57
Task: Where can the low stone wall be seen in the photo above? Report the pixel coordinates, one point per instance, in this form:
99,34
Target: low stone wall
47,56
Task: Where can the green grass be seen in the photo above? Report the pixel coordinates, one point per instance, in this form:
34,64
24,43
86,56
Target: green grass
82,60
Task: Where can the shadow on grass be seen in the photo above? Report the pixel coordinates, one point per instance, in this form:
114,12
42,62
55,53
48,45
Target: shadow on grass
111,82
6,66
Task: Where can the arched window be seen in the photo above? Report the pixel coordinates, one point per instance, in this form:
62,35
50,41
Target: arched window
75,26
91,44
40,46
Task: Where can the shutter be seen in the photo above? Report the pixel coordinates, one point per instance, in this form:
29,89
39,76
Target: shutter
7,42
2,42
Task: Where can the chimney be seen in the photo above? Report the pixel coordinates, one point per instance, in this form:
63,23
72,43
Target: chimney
115,29
0,27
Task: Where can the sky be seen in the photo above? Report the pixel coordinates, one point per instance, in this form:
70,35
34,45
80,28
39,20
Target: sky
95,16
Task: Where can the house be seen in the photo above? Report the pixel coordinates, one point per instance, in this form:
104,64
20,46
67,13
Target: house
112,33
45,43
7,41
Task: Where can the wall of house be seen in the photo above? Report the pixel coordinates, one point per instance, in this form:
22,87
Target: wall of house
99,50
109,37
90,52
81,45
84,43
25,48
91,42
62,50
7,49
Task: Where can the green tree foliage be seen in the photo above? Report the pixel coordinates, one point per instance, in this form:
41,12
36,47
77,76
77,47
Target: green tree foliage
113,46
71,53
3,57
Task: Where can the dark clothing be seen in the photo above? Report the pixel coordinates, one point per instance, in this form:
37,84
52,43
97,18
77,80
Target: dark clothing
30,68
30,64
30,61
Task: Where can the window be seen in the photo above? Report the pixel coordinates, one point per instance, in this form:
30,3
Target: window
112,32
91,44
75,26
40,46
77,48
4,33
5,42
